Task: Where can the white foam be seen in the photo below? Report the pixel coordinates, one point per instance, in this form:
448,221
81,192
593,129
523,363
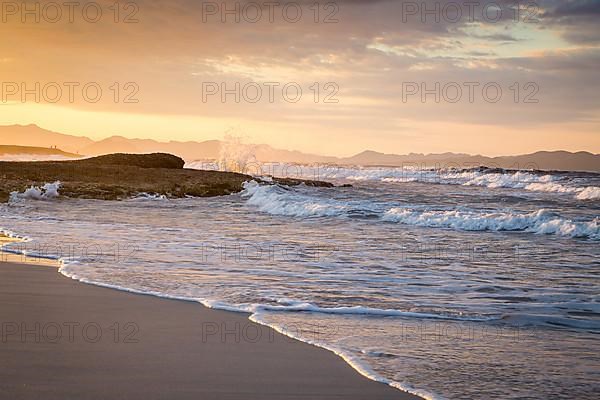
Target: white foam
514,180
522,180
13,235
298,306
540,222
517,180
47,192
254,311
276,200
589,193
356,363
149,196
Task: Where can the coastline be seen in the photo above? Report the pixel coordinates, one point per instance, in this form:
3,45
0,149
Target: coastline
17,257
122,176
152,347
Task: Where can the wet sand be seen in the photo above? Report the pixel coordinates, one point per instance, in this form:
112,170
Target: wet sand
62,339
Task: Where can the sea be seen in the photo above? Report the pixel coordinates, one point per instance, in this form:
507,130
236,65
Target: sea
449,283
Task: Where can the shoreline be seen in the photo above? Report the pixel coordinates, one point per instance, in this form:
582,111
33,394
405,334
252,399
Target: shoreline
357,365
17,257
258,361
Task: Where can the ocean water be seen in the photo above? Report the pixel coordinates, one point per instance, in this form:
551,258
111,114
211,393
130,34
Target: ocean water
452,284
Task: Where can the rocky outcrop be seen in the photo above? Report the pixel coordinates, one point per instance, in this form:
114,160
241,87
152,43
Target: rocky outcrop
120,176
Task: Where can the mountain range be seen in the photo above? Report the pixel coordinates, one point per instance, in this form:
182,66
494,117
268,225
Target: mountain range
33,135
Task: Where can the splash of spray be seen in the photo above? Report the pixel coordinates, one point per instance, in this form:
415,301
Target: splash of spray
235,155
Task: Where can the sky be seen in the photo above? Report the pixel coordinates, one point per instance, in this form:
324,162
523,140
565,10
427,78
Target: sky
337,78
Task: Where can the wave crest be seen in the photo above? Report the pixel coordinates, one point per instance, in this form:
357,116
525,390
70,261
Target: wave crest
276,200
539,222
46,192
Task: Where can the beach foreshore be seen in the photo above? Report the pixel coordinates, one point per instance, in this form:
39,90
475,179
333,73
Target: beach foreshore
62,339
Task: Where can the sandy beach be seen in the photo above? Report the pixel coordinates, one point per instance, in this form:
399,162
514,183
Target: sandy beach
63,339
351,200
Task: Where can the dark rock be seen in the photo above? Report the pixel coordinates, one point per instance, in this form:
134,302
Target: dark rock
120,176
154,160
296,182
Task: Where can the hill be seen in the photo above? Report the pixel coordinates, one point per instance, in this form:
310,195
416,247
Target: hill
211,150
33,135
541,160
45,151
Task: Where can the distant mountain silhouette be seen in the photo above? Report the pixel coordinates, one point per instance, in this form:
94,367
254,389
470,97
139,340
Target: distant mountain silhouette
32,135
543,160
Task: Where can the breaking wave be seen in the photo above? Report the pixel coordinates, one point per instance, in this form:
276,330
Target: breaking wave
531,181
540,222
46,192
509,180
589,193
277,200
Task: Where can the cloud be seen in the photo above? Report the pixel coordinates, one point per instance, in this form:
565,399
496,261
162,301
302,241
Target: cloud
370,52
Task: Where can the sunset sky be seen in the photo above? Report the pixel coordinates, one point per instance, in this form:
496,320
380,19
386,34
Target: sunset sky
369,52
